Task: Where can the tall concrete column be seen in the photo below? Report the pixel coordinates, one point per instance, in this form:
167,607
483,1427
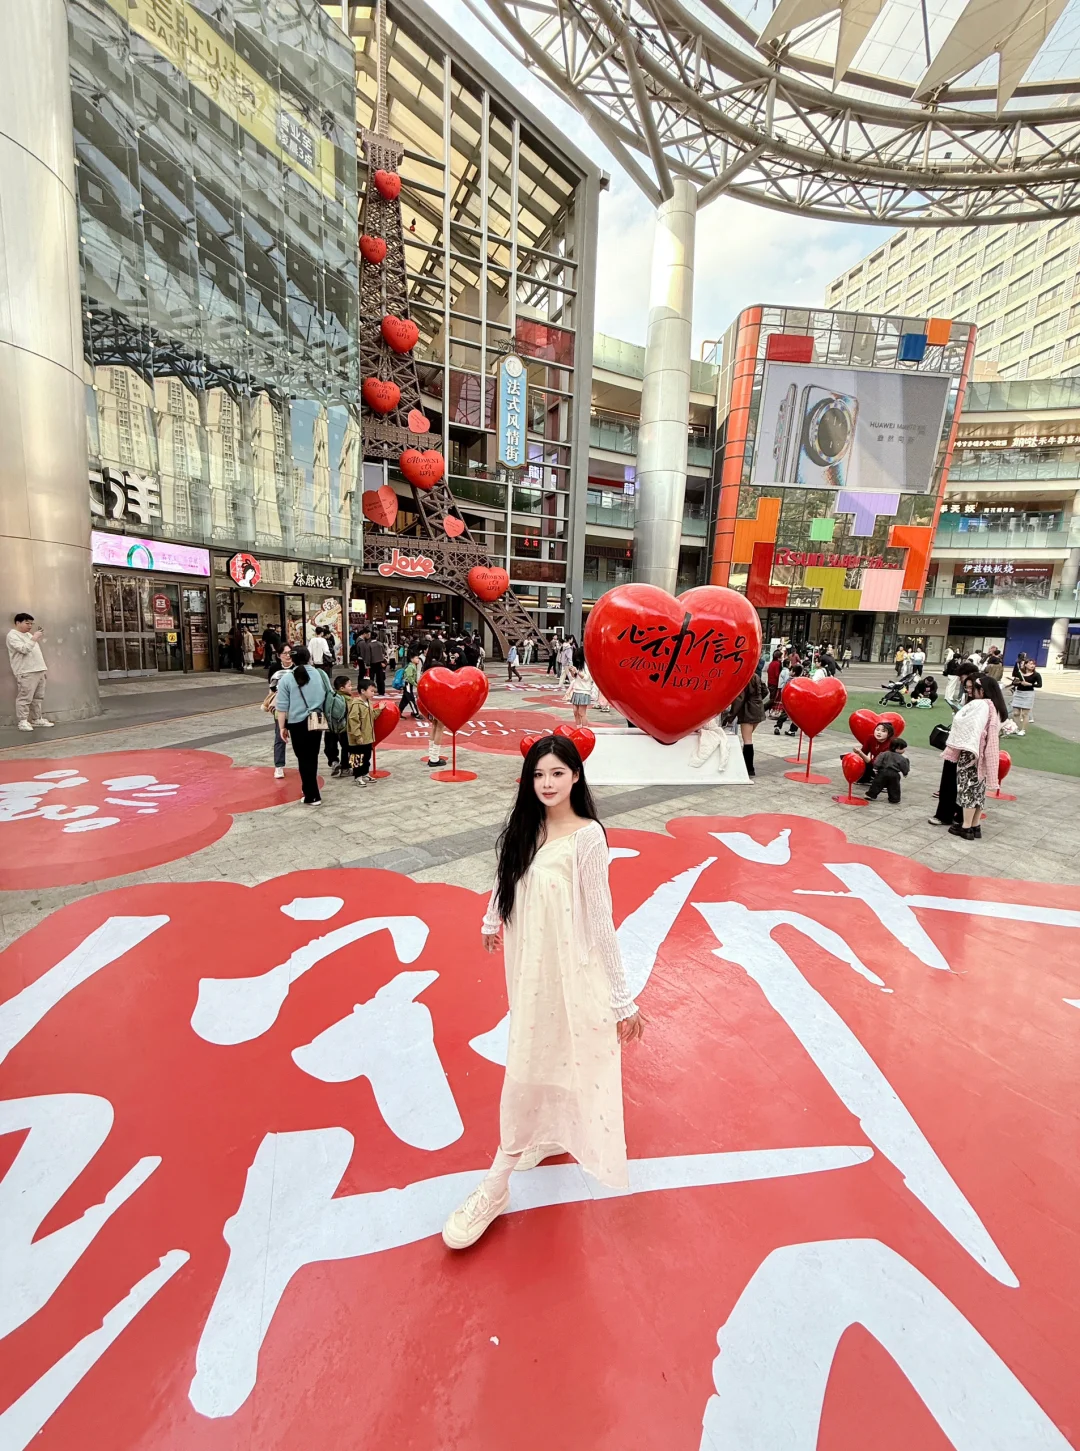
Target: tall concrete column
665,392
1070,573
44,489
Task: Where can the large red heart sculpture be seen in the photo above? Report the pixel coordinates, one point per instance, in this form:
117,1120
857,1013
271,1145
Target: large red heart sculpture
381,395
813,704
488,582
863,723
418,422
582,737
671,664
453,526
381,506
852,766
1004,765
526,743
373,249
422,467
386,722
452,696
387,184
401,333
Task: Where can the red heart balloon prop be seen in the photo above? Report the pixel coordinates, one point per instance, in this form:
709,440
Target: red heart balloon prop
813,704
488,582
526,743
452,696
453,526
381,395
852,766
1004,765
381,506
422,467
373,249
401,333
387,184
386,722
863,723
671,664
417,421
582,737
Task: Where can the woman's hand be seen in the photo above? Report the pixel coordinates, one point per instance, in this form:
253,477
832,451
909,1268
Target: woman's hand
631,1028
490,941
283,731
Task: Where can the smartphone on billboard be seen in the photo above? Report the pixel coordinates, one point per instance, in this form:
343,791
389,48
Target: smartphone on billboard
785,425
826,435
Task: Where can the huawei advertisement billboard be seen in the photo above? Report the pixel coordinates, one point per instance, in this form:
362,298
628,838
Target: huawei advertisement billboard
846,428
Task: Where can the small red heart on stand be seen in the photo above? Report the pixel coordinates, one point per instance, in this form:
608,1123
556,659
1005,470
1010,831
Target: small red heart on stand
582,737
401,333
813,704
671,664
386,722
381,395
381,506
452,696
863,723
488,582
453,526
526,743
852,766
387,184
1004,765
418,423
373,249
422,467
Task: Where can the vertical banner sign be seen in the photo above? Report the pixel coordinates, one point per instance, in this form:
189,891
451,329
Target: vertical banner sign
512,412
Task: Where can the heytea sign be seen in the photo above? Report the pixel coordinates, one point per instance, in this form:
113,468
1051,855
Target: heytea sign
512,412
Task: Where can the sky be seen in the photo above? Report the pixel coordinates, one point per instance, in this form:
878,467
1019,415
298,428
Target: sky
744,254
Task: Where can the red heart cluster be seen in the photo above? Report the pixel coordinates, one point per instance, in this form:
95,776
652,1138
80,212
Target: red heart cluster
401,333
373,249
452,696
387,184
814,704
422,467
488,582
381,506
863,723
381,395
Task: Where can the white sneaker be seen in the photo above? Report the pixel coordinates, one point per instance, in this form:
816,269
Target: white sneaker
279,773
467,1224
1020,733
24,725
42,722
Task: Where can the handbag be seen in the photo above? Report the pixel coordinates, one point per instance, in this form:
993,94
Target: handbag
939,736
315,720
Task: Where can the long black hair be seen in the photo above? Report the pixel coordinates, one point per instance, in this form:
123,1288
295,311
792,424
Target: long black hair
521,835
301,656
990,690
436,655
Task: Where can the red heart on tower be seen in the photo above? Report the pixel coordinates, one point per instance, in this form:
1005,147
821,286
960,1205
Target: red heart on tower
373,249
422,467
381,506
387,184
452,696
1004,765
386,722
401,333
852,766
526,743
417,421
671,664
453,526
863,723
381,395
813,704
488,582
582,737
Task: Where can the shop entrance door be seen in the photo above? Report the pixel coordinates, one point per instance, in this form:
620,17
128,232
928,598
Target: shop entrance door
124,626
168,639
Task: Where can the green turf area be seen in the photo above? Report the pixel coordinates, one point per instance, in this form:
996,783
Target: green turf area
1039,750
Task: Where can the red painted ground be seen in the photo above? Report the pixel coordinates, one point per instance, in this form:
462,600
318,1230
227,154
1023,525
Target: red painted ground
583,1326
496,731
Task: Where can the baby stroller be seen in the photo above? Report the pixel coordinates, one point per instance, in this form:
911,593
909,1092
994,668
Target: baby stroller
895,693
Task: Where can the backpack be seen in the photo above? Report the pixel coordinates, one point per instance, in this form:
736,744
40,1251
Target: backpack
335,708
399,678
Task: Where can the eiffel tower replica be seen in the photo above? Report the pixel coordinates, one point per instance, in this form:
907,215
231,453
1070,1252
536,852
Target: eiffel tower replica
384,292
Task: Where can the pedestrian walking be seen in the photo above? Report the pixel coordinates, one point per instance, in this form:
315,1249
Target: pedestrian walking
371,661
269,705
581,689
553,657
512,665
28,667
845,659
300,700
247,644
318,648
787,673
947,813
570,1008
410,675
974,745
236,647
272,648
335,737
918,660
1026,680
566,660
748,710
363,713
995,664
435,656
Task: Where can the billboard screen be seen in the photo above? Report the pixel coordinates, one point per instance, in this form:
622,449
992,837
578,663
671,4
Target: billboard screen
846,428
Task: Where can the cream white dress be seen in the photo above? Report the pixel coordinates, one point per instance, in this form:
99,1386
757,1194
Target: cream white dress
567,990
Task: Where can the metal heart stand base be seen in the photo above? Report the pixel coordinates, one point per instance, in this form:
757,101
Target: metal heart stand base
453,775
804,778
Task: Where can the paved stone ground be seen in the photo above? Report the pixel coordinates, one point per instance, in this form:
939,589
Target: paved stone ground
446,833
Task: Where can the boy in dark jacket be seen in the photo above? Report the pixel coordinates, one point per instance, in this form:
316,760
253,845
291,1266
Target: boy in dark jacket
889,767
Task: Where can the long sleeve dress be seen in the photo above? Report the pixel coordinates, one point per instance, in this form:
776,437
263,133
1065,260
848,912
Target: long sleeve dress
567,990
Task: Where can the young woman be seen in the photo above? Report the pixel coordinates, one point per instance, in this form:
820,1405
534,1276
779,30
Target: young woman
748,708
880,741
973,745
569,1005
1026,680
270,705
436,655
947,812
581,688
301,694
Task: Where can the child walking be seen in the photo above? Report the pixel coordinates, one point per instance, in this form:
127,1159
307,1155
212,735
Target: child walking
890,765
362,715
570,1009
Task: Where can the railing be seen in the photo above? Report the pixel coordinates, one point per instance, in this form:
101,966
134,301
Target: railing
1022,394
616,356
622,514
619,435
594,588
1053,607
1005,541
1006,469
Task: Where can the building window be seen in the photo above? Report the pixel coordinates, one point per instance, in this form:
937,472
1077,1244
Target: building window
892,295
1015,317
917,278
1039,362
1011,348
1024,257
997,246
989,307
995,274
961,296
1072,345
1050,298
1048,328
1020,286
1056,265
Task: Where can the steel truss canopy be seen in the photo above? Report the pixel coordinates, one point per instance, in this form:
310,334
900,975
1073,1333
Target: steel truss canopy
899,112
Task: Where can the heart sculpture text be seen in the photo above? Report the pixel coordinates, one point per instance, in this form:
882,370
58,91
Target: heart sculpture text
386,722
863,723
373,249
401,333
814,704
418,422
671,664
852,766
381,506
422,467
381,395
582,737
387,184
453,526
488,582
452,696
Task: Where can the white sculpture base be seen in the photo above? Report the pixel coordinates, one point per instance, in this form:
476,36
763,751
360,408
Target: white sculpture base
631,758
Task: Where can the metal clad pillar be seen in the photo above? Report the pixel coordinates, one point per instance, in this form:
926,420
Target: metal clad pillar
665,392
44,483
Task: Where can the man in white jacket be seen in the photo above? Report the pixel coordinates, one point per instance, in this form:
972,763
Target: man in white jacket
28,668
